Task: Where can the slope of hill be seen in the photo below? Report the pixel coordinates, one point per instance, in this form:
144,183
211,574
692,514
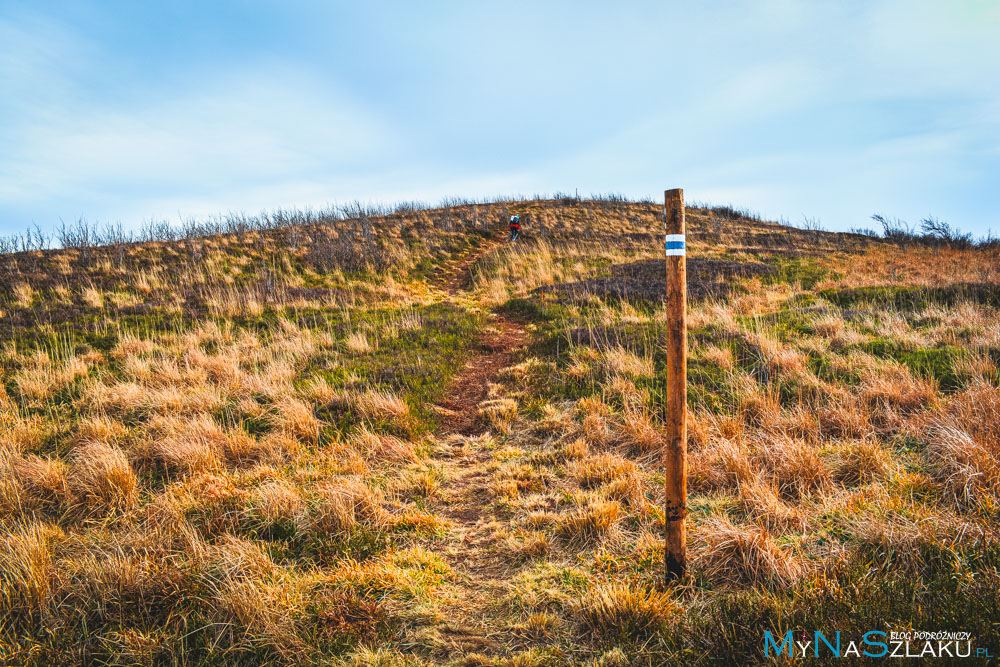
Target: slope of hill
395,440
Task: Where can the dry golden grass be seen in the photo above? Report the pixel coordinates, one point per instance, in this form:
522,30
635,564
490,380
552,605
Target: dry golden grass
319,391
759,406
11,504
357,343
41,484
297,418
26,571
575,450
599,469
20,433
738,555
724,464
102,478
93,297
41,376
889,388
719,356
764,506
341,505
846,419
540,625
231,478
589,523
186,446
963,437
619,361
505,489
796,467
420,482
630,491
381,404
862,461
100,429
277,501
640,434
916,265
381,447
499,412
532,544
619,611
24,294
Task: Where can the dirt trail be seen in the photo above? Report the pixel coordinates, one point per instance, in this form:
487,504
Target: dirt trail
498,343
465,495
455,276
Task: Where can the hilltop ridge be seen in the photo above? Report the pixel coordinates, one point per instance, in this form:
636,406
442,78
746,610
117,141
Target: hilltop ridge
393,438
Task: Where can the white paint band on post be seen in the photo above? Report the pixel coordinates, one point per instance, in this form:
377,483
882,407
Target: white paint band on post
675,245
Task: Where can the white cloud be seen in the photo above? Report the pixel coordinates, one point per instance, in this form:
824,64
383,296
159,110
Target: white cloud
784,106
248,127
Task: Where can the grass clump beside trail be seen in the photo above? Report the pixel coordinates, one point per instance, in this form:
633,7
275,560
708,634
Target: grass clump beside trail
397,441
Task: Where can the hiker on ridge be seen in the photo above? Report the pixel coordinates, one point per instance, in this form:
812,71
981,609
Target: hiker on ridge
515,226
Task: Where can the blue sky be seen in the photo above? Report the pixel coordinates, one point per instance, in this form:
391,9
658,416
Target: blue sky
127,111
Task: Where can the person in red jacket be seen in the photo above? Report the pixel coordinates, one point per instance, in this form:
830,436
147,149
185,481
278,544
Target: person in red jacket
515,226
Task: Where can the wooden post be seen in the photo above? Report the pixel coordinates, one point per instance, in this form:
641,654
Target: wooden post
675,457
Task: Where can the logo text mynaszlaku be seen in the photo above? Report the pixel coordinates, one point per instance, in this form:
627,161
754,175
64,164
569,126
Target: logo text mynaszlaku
875,644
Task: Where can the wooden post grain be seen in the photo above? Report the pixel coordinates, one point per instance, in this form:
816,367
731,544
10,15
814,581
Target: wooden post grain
675,456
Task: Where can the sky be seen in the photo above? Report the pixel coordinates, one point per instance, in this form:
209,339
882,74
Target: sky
832,111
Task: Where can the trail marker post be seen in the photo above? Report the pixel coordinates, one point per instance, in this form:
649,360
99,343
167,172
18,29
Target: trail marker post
675,456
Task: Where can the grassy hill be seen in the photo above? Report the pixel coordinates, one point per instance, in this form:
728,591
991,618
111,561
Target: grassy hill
391,438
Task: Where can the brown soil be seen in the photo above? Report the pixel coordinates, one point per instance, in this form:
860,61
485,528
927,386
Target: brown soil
497,348
455,275
480,572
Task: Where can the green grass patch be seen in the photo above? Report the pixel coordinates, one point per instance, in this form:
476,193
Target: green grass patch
416,364
938,363
787,324
915,298
804,271
823,367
